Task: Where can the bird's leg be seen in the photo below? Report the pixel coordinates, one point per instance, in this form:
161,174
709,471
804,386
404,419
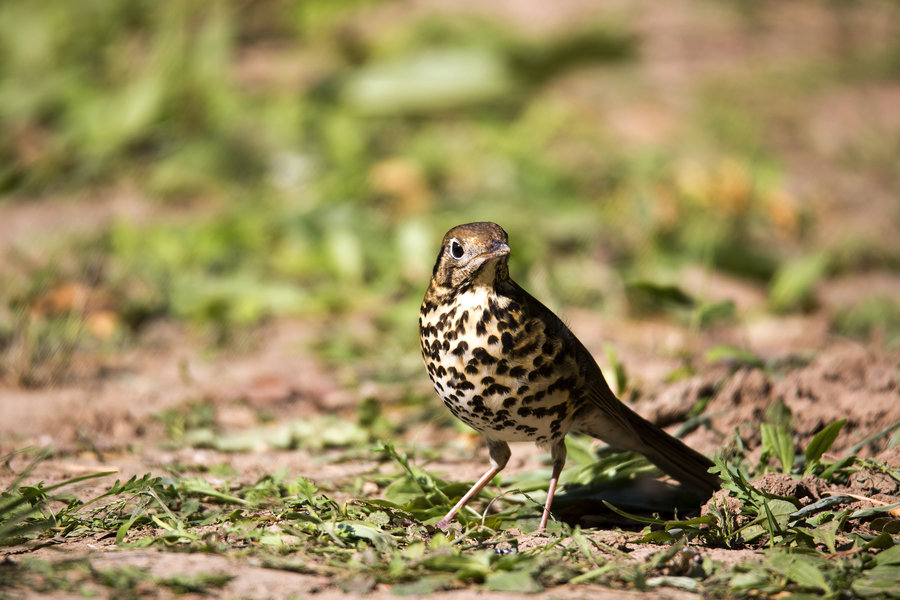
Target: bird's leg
499,453
558,453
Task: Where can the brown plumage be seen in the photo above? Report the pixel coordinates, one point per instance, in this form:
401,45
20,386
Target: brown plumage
503,363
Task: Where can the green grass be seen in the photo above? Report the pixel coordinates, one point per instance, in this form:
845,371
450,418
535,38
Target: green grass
291,523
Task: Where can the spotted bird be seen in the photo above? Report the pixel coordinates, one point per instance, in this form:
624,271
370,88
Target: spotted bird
504,364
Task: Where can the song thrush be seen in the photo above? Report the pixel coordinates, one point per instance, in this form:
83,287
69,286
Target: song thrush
507,366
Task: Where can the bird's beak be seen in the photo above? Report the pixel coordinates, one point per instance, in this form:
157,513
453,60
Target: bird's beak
499,249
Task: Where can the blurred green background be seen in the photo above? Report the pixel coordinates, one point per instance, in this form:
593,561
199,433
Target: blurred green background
221,164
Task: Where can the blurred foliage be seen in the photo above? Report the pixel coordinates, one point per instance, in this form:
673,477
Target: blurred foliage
877,317
300,160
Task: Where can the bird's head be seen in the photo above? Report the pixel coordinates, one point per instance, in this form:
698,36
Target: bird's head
474,253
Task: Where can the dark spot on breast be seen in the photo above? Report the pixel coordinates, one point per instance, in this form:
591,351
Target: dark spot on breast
483,356
496,388
525,350
560,409
563,383
509,402
500,314
461,348
492,339
518,371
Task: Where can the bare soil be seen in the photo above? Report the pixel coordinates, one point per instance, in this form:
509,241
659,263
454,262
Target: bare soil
845,381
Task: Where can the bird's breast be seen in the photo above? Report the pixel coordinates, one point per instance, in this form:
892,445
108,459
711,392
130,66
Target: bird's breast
496,369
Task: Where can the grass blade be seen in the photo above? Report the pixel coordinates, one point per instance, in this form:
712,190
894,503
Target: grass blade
821,443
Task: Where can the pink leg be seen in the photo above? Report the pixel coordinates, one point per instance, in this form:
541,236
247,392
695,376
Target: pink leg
557,469
445,522
558,452
499,453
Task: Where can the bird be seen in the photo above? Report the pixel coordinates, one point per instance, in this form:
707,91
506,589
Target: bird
508,367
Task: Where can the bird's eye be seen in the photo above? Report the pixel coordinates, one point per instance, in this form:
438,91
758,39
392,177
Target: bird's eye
456,249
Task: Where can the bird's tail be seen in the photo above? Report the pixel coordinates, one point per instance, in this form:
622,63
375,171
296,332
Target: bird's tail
627,430
676,458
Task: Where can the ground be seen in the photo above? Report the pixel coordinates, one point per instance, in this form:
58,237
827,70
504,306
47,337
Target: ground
94,430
